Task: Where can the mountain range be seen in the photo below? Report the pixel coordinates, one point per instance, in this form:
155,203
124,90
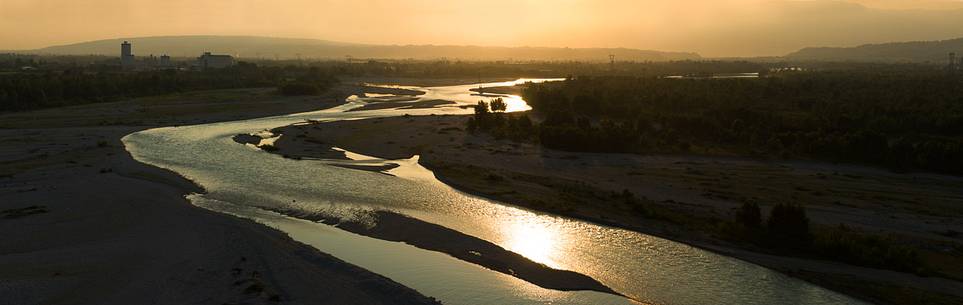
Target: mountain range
287,48
915,51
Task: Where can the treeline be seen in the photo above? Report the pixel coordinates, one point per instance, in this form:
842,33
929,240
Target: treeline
534,69
907,119
490,117
26,91
17,62
787,230
32,81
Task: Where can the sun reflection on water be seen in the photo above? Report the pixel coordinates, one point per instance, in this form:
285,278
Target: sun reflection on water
534,240
515,103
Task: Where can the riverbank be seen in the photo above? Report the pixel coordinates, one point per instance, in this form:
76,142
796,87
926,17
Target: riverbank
84,223
678,191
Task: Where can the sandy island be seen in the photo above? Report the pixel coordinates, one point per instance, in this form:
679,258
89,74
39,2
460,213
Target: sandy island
400,228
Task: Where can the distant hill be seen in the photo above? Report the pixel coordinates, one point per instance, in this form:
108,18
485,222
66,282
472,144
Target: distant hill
267,47
916,51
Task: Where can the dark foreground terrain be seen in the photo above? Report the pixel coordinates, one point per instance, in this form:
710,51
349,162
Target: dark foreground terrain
83,223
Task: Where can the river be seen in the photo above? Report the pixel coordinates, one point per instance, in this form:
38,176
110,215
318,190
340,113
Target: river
243,181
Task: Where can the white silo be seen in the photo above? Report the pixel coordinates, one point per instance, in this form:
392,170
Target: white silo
126,55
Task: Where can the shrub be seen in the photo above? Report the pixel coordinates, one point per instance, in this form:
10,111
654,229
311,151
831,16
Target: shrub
749,216
789,226
846,245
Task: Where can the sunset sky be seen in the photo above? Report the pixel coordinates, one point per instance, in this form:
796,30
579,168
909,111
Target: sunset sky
709,27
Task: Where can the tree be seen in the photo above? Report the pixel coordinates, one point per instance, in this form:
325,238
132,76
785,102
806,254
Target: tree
498,104
789,226
749,215
481,109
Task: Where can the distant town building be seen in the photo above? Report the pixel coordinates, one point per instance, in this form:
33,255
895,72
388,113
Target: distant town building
165,61
212,61
126,55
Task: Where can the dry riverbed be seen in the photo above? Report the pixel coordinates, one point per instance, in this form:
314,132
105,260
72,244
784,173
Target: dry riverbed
681,194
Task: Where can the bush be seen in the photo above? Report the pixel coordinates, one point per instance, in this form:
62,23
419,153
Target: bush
789,226
749,216
845,245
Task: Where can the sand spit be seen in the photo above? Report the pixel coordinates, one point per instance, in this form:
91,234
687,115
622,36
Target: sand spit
510,90
403,104
396,227
393,90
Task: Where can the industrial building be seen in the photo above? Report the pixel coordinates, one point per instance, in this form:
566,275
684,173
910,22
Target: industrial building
126,55
205,61
212,61
165,61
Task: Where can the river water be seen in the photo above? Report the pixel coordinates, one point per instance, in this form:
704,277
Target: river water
242,180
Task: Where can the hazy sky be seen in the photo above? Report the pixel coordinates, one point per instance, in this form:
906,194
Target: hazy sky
709,27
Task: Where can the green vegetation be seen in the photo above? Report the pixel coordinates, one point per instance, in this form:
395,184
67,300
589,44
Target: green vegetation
32,81
788,227
310,82
44,89
490,117
901,117
850,246
749,216
788,231
906,120
54,81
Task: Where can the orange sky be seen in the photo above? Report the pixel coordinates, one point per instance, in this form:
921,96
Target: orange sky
709,27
